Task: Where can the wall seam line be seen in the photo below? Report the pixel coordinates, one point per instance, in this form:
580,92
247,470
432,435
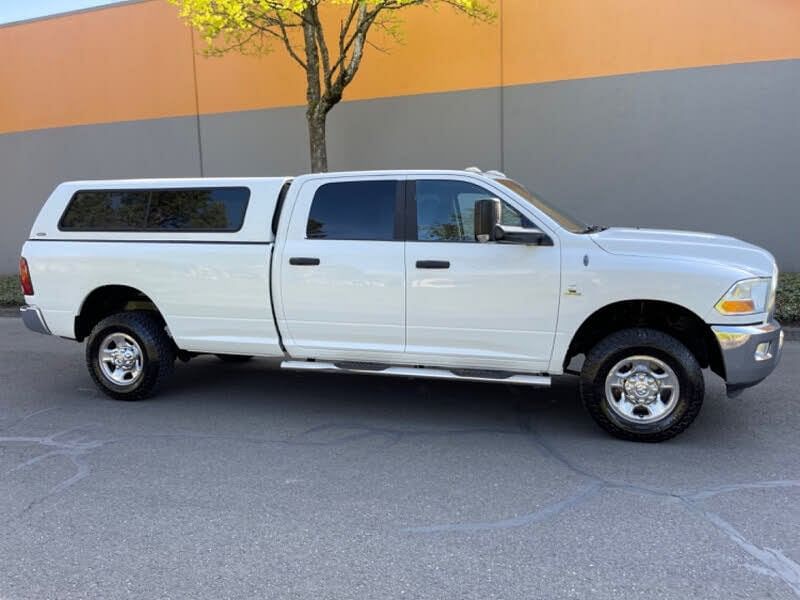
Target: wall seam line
502,166
197,104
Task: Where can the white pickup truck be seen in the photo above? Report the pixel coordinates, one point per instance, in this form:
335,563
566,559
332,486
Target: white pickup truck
457,275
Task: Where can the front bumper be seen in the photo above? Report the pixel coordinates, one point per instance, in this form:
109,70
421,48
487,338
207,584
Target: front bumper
750,352
33,319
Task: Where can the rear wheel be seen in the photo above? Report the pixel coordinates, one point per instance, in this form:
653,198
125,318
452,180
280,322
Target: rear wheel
642,385
129,355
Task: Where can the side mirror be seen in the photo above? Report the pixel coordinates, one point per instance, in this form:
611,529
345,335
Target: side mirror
487,215
508,234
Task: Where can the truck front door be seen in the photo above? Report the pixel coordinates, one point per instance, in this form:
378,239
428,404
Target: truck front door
474,304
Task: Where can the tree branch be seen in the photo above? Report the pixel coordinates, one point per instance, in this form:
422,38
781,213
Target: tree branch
321,45
240,45
288,44
359,8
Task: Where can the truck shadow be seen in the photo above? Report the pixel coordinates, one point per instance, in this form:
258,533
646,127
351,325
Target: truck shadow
259,388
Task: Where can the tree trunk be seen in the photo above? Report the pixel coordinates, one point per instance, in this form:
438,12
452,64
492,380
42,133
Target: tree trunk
316,140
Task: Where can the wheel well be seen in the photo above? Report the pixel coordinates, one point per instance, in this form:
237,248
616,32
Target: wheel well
107,300
672,319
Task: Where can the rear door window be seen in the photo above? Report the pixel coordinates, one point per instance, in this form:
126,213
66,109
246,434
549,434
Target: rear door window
354,210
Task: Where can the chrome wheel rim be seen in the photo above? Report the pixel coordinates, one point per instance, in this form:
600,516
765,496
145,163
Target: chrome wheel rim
642,389
121,359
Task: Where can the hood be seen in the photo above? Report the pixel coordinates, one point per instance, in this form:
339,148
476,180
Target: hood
686,245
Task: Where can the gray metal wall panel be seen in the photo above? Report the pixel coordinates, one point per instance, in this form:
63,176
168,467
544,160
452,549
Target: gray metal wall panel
33,163
256,143
452,130
442,131
712,149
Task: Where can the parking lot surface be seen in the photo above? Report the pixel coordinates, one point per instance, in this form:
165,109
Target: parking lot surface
242,481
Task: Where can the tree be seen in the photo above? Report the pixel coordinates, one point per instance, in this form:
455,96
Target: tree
256,26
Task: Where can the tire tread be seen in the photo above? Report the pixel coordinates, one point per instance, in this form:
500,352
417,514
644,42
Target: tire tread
593,378
158,348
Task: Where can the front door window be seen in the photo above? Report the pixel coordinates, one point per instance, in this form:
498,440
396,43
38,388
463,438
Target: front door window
446,211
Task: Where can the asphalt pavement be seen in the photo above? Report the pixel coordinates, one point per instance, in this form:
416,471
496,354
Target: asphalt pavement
242,481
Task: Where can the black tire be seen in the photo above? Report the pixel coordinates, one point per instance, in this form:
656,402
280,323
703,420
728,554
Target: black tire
641,341
233,358
158,352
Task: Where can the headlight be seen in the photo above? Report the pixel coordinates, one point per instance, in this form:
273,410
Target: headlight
746,297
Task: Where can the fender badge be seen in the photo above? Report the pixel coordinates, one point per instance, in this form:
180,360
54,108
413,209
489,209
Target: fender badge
572,290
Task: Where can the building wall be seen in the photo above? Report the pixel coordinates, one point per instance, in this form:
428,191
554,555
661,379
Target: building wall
683,114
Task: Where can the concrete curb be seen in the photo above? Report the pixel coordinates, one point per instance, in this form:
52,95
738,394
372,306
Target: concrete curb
9,311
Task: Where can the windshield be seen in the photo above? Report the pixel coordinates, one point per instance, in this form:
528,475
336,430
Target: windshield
566,221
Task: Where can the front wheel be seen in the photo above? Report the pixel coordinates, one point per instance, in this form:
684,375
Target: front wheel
641,384
129,355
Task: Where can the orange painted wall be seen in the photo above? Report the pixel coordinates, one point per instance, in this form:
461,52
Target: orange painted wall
135,61
551,40
130,62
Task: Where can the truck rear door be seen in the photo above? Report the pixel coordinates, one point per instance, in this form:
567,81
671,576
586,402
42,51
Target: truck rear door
339,271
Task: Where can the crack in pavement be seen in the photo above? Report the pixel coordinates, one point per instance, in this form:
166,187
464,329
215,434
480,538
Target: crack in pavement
74,448
773,562
28,417
737,487
550,510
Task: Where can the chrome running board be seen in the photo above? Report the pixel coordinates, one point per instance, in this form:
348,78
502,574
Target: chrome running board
426,372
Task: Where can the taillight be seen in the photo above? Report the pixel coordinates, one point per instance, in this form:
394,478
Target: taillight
25,277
